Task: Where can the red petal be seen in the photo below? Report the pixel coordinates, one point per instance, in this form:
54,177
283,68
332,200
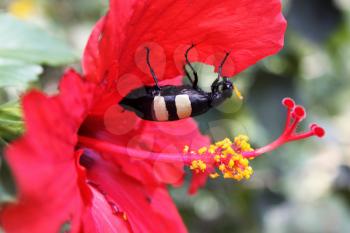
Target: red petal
197,182
100,218
43,161
250,29
147,208
48,192
91,62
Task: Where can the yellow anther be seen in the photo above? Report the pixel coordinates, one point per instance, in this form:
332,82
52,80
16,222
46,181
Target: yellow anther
202,166
223,142
246,173
238,177
186,149
242,137
228,175
198,165
250,170
236,157
212,149
229,150
231,163
244,162
219,143
202,150
225,146
227,140
242,142
194,165
214,175
228,158
222,167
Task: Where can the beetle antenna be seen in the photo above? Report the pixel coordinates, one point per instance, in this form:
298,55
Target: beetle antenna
195,82
222,64
148,51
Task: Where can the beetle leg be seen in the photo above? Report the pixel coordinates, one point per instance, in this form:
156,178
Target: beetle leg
195,74
216,83
148,51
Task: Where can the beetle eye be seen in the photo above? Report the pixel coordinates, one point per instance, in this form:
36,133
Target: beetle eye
228,85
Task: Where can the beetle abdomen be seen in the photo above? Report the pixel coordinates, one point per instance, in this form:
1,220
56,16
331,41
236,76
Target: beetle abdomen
172,103
183,106
159,109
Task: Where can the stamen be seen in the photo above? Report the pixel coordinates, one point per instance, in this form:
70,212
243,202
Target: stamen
231,158
226,157
289,104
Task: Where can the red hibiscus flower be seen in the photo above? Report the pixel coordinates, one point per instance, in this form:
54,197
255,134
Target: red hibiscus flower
59,183
87,164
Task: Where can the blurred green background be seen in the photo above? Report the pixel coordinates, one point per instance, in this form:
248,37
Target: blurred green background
303,187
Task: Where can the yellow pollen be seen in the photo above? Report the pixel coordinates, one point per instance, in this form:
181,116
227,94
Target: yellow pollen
226,157
202,150
212,149
242,142
228,175
244,162
231,163
214,175
237,92
198,166
222,167
186,149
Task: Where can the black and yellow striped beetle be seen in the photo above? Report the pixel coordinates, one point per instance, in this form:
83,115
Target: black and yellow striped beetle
171,103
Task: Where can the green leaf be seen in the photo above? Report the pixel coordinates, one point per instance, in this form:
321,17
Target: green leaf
23,48
18,73
12,108
7,183
22,41
11,123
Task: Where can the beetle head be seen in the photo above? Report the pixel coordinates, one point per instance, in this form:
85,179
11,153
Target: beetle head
227,88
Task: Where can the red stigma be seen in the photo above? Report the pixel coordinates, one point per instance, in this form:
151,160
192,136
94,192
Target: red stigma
299,112
317,130
288,103
295,114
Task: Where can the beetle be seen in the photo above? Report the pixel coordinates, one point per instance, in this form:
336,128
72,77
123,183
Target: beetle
171,103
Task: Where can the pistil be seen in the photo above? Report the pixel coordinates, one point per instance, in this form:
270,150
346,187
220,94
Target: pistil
230,158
